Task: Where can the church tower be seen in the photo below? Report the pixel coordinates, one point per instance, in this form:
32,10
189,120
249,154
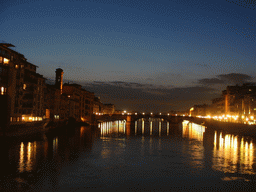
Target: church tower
59,79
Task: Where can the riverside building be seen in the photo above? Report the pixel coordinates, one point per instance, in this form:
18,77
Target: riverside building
25,97
20,87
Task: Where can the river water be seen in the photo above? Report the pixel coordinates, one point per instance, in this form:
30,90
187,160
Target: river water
146,155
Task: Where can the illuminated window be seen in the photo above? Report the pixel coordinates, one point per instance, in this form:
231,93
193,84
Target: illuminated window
24,86
3,90
6,61
16,66
1,59
10,119
250,90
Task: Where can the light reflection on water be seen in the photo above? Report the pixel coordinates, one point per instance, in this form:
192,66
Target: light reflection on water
192,130
233,153
27,156
151,149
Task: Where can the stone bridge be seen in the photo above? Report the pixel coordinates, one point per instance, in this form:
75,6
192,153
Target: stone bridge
135,117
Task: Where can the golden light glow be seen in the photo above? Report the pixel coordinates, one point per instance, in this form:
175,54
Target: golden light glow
21,162
160,129
151,127
6,61
115,127
29,167
192,130
3,90
168,127
142,126
136,127
230,152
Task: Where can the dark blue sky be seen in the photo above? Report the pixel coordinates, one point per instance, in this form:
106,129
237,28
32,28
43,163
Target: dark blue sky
140,55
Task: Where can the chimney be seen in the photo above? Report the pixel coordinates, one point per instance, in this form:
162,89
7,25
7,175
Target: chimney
59,79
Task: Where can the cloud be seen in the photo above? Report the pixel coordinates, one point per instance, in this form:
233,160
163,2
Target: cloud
148,97
227,79
235,78
211,81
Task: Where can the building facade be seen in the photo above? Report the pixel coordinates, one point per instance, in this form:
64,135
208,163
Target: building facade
23,87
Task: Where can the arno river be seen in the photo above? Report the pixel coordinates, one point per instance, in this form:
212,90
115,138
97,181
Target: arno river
147,155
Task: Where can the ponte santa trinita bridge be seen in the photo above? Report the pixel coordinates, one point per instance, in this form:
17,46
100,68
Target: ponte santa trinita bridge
131,119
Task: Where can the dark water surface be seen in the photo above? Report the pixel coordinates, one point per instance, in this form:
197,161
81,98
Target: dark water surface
146,155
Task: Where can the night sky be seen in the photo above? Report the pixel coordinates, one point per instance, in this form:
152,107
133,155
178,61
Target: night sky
140,55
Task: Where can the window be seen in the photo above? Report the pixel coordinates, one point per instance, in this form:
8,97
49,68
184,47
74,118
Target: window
250,90
3,91
16,66
1,59
6,61
24,86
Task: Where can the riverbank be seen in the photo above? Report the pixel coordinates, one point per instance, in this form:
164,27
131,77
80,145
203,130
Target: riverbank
233,128
228,127
36,130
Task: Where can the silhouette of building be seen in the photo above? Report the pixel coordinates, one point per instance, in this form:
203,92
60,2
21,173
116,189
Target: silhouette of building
22,86
25,97
81,107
